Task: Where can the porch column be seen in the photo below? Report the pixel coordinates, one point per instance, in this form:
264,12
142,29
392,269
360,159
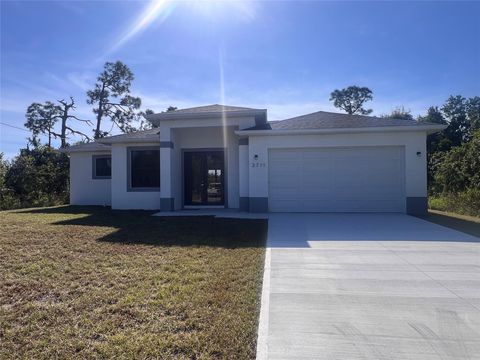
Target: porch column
166,191
243,174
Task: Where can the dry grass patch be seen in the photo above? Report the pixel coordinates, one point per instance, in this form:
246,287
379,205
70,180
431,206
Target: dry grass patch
78,282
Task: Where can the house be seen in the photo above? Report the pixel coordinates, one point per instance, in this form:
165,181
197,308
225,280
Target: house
232,157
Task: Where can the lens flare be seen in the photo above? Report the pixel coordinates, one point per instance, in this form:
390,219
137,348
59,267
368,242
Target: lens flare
156,11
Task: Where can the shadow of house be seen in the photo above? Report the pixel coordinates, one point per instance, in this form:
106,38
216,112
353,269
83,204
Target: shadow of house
139,227
464,225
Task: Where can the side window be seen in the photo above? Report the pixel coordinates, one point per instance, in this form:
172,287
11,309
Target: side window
102,167
144,169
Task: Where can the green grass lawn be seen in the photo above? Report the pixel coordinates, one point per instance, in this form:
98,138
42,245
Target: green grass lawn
86,282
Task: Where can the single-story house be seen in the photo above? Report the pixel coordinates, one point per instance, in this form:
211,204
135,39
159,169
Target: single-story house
232,157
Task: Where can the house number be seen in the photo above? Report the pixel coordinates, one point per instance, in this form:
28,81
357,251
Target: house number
259,165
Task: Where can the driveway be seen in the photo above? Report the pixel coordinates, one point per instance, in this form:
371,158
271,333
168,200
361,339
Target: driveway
369,286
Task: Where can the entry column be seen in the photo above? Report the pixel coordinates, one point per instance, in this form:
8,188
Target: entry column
166,193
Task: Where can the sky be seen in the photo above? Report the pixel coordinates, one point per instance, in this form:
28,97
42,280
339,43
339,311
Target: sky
285,56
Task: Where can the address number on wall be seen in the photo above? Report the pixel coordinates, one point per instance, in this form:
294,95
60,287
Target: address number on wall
258,165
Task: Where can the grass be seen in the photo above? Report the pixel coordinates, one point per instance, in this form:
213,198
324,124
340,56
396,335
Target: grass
467,224
84,282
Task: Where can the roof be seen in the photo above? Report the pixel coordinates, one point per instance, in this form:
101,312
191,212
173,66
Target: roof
330,120
86,147
211,108
150,135
208,112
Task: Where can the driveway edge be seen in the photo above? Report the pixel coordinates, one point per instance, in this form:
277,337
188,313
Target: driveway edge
262,345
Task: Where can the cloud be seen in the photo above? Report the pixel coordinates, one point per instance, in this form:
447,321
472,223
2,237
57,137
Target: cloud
83,80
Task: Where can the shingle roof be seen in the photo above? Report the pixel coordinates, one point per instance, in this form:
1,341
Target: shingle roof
211,108
329,120
87,147
142,136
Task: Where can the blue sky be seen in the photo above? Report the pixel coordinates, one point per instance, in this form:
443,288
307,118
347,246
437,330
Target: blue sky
280,55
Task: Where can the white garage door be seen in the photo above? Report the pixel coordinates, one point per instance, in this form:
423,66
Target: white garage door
360,179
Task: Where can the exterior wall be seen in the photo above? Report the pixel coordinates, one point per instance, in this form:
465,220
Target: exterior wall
121,197
415,165
84,190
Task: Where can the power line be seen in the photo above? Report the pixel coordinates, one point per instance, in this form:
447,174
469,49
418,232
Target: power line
15,127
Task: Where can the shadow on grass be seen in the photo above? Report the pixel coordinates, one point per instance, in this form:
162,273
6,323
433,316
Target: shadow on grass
461,224
139,227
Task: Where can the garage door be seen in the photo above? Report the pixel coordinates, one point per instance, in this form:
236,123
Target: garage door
360,179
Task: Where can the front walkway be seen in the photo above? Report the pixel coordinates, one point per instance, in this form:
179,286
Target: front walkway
369,286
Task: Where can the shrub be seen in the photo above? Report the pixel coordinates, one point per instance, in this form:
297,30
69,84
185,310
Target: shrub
466,202
36,177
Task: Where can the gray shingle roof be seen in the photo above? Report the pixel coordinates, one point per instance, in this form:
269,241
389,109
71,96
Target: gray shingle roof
211,108
329,120
141,136
87,147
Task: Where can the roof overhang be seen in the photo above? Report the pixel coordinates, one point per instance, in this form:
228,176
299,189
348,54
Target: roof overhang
153,139
156,118
429,129
88,147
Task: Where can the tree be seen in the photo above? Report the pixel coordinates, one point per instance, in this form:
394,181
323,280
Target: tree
455,111
400,113
41,119
351,99
459,169
3,170
64,110
144,123
172,108
436,141
111,98
473,112
38,177
434,115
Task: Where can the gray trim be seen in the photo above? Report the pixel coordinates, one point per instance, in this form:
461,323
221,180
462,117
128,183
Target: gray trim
244,204
129,169
167,204
243,141
166,144
94,167
417,205
225,168
258,204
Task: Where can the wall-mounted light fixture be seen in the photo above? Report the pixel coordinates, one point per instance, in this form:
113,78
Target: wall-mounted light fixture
419,153
255,157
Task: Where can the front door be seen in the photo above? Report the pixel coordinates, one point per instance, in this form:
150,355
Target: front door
204,178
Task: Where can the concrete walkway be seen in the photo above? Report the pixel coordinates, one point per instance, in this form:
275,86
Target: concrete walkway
369,286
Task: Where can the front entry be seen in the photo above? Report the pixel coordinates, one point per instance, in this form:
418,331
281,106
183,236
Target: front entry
204,173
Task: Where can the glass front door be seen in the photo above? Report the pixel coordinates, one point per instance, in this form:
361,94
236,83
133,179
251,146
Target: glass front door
204,178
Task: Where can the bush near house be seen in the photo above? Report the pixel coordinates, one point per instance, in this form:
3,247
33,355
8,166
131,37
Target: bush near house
36,177
455,178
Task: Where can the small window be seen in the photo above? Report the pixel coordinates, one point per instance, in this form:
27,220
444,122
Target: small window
102,167
144,169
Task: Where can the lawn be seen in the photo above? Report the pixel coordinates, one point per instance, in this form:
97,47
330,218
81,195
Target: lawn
86,282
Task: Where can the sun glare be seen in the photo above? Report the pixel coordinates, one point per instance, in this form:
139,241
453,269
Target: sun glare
156,10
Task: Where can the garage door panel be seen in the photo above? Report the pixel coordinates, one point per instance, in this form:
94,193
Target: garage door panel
337,179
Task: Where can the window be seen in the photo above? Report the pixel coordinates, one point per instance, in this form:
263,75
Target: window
144,169
102,167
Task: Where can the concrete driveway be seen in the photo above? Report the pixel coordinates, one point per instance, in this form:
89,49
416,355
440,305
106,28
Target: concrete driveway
369,286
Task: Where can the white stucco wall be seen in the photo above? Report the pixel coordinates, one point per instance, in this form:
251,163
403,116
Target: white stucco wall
121,197
84,190
415,166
